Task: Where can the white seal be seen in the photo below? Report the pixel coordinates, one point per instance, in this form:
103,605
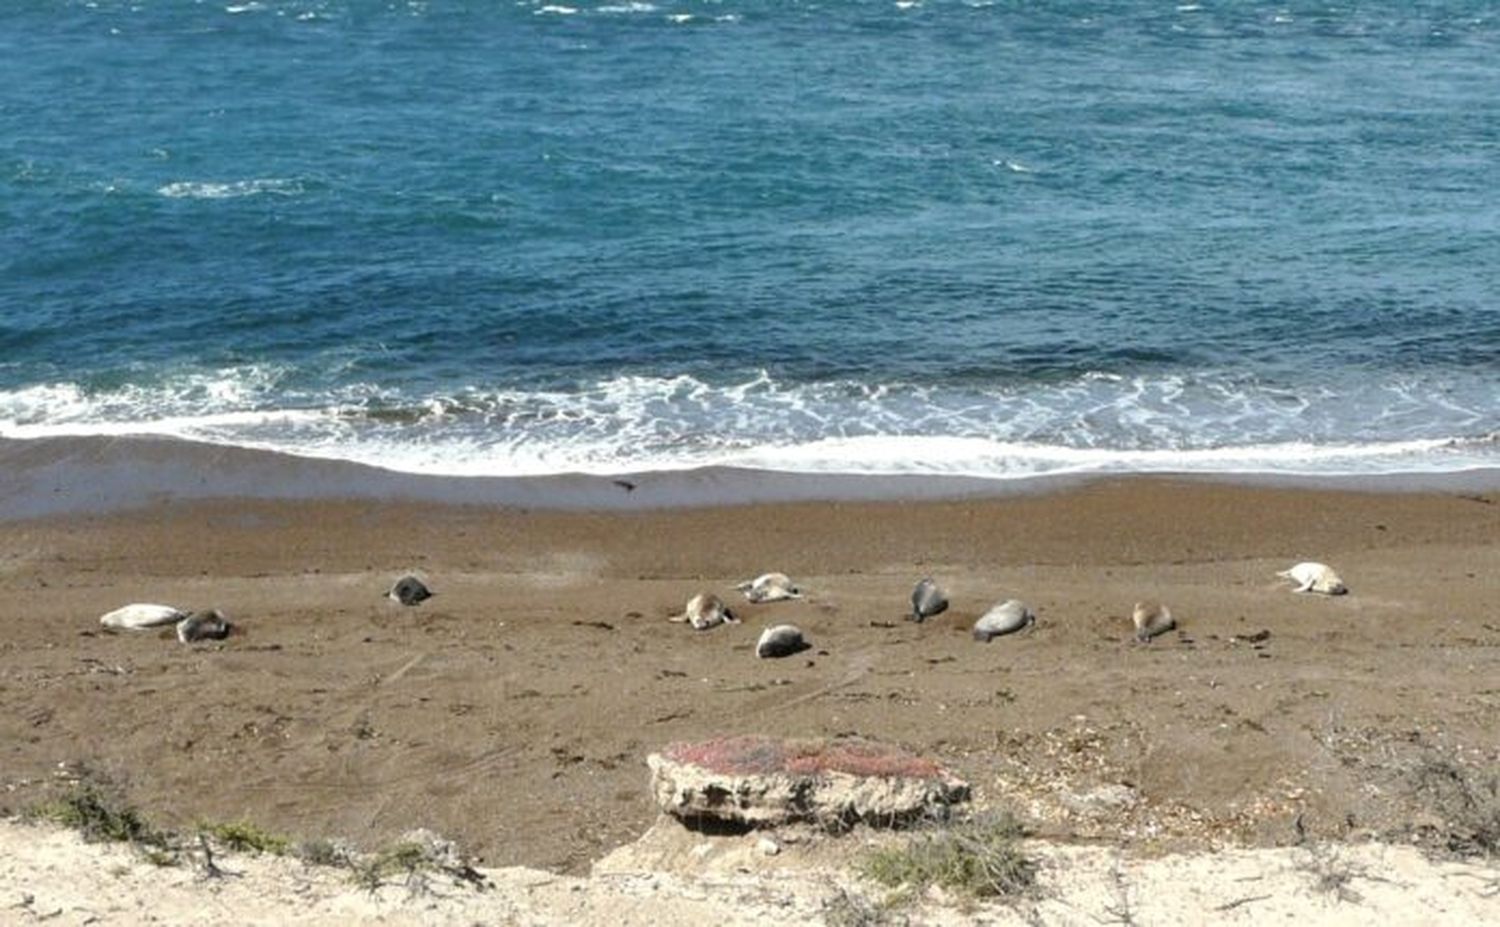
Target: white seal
409,590
1151,619
1315,577
204,626
1006,618
138,616
770,587
780,641
927,599
706,610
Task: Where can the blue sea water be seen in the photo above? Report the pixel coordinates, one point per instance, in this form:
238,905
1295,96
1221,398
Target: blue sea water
957,236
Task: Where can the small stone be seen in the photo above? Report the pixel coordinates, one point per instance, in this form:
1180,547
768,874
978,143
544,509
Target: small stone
767,846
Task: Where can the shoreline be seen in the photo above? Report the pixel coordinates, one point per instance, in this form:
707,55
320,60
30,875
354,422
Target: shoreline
97,475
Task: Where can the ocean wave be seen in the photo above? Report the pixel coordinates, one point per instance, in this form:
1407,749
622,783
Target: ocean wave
207,190
1097,422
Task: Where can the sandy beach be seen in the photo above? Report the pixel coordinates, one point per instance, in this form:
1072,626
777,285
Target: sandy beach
513,712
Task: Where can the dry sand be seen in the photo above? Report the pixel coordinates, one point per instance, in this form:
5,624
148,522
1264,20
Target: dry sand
513,712
672,879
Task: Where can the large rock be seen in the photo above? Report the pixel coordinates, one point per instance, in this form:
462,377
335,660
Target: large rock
758,781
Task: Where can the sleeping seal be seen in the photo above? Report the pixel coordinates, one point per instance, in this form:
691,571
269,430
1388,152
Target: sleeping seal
927,599
1151,619
1008,617
203,626
409,590
1315,577
771,587
138,616
780,641
706,610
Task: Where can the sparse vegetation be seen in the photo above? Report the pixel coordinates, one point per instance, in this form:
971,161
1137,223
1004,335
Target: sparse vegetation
980,857
847,909
1332,874
242,835
402,859
98,811
1467,801
322,852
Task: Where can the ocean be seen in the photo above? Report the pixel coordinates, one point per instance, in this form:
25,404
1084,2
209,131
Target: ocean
982,237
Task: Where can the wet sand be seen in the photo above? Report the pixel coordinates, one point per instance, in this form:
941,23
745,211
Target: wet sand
514,711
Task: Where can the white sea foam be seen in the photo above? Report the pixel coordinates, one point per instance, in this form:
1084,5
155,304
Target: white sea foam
1098,422
210,190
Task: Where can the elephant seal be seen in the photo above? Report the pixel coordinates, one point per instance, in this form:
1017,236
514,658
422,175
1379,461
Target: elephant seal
1315,577
204,626
1006,618
1151,619
780,641
139,616
706,610
409,590
771,587
927,599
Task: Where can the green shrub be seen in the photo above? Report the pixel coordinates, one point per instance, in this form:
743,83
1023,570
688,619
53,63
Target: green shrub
980,857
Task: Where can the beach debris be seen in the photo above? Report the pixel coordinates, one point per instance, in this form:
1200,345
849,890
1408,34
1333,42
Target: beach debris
927,599
781,641
755,781
210,625
1151,619
770,587
139,616
706,610
1005,618
1315,577
409,590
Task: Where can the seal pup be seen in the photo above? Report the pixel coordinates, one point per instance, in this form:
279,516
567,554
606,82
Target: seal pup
204,626
409,590
140,615
780,641
1006,618
770,587
927,599
706,610
1315,577
1151,619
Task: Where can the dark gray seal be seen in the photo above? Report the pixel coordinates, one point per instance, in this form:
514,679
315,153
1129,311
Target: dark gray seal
1008,617
927,599
204,626
409,591
780,641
